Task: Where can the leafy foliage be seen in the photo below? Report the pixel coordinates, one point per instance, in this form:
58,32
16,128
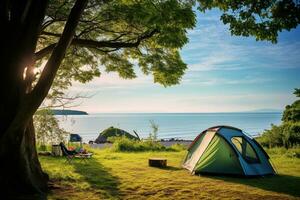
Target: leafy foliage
292,112
285,135
297,92
261,19
125,22
288,133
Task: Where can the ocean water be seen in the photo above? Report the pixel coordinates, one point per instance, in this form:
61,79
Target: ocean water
171,125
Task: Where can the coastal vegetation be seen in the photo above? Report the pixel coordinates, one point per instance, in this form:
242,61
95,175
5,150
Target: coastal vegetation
121,175
123,141
124,144
287,134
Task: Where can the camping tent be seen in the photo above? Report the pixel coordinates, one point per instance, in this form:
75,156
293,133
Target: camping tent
75,138
227,150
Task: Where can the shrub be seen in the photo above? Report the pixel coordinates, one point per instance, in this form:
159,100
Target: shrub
178,147
286,135
272,138
124,144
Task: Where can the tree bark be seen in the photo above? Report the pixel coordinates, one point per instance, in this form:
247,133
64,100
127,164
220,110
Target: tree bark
20,170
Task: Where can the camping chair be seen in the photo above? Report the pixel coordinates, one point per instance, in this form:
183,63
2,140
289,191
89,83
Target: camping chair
67,153
70,155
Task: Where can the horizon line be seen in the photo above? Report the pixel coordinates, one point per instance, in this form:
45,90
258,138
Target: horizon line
275,111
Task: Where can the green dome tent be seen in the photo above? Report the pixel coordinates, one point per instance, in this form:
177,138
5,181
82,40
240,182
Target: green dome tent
227,150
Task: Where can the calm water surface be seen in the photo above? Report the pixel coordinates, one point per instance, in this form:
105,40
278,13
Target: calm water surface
171,125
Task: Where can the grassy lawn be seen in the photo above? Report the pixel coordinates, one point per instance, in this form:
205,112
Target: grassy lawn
111,175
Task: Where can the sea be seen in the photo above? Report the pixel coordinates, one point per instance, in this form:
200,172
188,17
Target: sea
184,126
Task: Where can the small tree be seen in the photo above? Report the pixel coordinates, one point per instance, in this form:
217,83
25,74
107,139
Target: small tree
47,129
153,134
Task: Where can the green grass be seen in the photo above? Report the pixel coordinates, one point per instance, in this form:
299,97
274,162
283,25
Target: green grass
113,175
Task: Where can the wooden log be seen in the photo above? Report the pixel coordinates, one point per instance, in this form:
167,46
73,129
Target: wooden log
158,162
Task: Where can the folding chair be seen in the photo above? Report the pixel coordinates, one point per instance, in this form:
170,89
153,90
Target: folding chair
70,155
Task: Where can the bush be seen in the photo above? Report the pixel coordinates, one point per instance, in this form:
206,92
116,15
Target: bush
124,144
272,138
286,135
178,147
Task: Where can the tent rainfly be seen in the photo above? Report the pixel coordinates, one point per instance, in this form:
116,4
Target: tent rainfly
227,150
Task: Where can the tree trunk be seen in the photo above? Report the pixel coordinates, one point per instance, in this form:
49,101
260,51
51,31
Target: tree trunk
20,170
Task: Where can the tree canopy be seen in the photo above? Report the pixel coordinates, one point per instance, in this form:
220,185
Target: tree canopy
120,35
117,35
261,19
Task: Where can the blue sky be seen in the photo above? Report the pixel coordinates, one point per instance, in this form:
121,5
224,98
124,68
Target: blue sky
225,74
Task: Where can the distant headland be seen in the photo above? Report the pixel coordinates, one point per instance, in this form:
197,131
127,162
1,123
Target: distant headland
68,112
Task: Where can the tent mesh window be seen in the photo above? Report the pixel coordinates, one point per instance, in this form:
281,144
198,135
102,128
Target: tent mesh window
245,149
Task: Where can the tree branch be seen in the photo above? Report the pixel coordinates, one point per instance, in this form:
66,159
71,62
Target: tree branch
64,101
45,51
40,91
97,44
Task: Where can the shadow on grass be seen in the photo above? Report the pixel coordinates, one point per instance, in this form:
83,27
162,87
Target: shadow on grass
98,177
171,168
280,183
